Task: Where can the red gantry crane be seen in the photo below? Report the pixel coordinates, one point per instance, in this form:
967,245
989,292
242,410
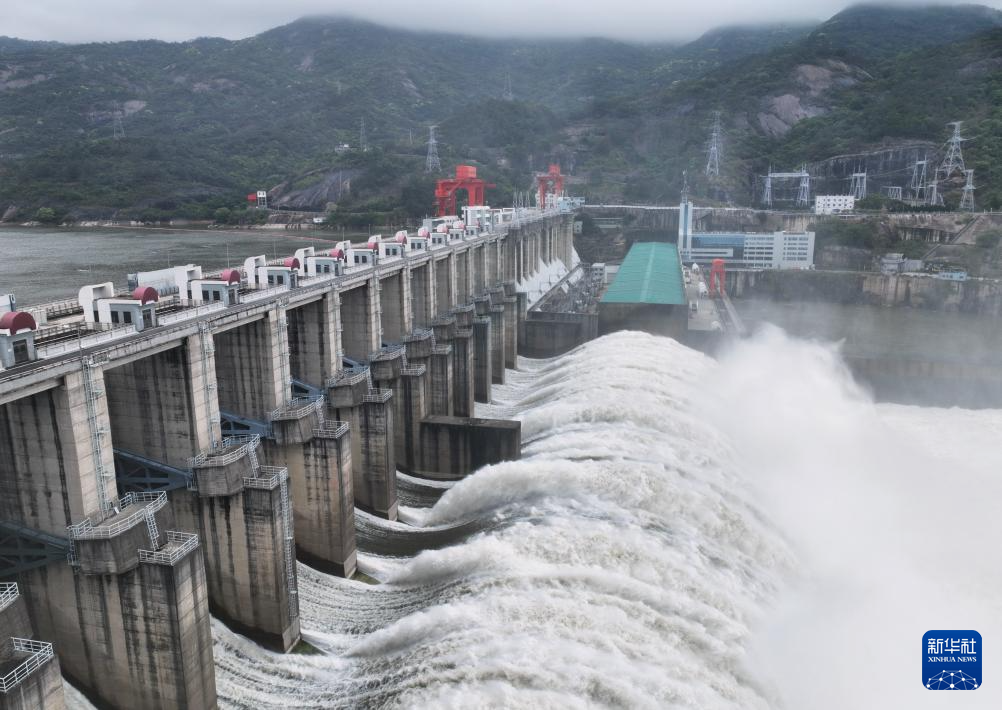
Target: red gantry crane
466,179
550,183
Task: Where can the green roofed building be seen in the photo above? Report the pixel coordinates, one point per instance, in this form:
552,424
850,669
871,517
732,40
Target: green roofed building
647,293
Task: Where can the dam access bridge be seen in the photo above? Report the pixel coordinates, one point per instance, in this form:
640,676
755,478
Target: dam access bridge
171,451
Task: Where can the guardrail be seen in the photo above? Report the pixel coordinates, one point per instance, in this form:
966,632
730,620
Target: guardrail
331,430
40,652
297,408
84,342
185,543
387,352
377,396
263,294
268,480
419,334
349,376
222,455
413,370
151,502
190,312
8,593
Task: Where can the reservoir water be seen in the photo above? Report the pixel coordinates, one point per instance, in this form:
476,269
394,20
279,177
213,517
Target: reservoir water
42,265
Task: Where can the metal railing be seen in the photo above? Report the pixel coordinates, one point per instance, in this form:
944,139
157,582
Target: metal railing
297,408
349,376
413,370
377,396
190,312
8,593
231,450
331,430
263,294
84,342
40,652
184,543
419,334
269,479
150,503
387,352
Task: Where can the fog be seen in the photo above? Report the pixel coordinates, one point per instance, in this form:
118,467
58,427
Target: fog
890,509
642,20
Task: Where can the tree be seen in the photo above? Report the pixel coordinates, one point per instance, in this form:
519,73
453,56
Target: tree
223,215
46,215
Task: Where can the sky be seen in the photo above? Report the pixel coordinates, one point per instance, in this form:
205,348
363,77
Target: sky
173,20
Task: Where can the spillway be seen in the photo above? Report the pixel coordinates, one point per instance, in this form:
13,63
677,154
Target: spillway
680,532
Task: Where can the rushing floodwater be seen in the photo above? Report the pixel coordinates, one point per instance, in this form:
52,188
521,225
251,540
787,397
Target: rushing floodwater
681,532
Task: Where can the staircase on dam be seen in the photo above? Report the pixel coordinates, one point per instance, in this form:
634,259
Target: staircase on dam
174,468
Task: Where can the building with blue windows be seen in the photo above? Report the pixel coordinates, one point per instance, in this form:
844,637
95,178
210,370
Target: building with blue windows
744,250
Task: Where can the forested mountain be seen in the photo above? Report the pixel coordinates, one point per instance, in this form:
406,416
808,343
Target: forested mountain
206,121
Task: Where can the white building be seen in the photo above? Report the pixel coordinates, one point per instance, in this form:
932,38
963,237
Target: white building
834,204
750,250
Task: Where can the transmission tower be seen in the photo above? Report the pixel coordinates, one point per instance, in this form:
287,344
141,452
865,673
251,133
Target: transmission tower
858,188
919,179
804,193
954,160
893,192
508,94
803,187
363,142
119,125
713,154
967,199
932,194
431,163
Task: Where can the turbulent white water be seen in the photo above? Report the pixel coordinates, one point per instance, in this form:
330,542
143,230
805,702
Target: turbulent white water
749,533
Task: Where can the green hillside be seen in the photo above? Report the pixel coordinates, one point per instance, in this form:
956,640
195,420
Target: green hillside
207,121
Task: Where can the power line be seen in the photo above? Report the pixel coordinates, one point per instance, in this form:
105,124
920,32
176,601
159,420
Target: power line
432,164
967,198
954,159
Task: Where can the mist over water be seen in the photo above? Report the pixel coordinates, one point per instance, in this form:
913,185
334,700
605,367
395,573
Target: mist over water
681,532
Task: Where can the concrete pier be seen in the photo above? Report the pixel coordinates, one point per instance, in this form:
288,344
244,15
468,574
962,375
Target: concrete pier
463,368
360,320
375,483
252,366
317,453
314,339
482,359
29,670
457,446
391,371
129,619
172,465
244,511
498,328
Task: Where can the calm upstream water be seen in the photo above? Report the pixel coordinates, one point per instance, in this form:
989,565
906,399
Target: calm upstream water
42,265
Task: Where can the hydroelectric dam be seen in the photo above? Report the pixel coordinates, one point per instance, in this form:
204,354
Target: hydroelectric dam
168,453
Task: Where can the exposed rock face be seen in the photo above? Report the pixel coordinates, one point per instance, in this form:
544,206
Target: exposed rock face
9,214
321,189
806,99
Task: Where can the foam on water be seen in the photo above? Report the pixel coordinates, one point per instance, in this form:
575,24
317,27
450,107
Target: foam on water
680,532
